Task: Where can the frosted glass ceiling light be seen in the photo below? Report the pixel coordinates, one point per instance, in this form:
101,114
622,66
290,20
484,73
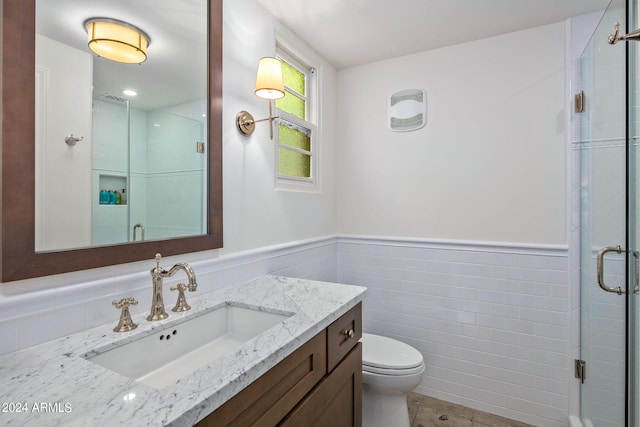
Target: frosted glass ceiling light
117,40
269,85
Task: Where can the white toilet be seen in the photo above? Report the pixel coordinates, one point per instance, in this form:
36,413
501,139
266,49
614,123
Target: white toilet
390,370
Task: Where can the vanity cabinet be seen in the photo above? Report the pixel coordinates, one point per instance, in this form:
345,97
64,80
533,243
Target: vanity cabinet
336,401
319,384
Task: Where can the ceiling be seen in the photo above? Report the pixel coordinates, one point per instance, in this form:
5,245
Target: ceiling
354,32
345,32
175,71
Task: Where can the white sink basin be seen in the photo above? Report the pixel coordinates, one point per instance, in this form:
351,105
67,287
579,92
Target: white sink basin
166,356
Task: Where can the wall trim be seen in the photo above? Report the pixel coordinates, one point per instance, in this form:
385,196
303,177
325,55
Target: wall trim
458,245
24,301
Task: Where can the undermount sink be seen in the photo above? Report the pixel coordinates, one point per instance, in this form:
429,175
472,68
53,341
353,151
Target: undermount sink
164,357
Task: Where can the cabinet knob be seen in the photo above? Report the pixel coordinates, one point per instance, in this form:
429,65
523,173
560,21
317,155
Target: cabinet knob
349,333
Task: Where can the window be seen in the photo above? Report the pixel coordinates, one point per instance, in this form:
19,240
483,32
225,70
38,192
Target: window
296,132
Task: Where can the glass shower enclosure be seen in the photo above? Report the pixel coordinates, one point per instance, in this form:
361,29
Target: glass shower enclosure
609,224
149,165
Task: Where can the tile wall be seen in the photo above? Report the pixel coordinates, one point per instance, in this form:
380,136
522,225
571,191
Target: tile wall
491,320
29,316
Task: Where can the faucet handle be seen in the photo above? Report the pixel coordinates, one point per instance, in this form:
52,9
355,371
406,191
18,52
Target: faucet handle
181,303
125,323
124,302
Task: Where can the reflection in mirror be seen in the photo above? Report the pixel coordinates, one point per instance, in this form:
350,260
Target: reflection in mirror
139,157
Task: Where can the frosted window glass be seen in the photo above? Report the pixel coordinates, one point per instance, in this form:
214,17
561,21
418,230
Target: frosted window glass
293,78
294,163
292,136
292,105
296,156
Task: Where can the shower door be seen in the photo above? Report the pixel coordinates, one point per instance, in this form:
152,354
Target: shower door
633,195
608,228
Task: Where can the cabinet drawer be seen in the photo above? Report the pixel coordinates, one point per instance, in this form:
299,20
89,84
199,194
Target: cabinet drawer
342,336
269,398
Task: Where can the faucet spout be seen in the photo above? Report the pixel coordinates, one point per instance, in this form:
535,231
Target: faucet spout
158,273
191,276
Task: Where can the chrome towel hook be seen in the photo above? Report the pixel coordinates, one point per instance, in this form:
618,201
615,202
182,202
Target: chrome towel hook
616,37
71,140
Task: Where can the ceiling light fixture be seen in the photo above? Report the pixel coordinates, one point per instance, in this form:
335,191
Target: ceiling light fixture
117,40
269,85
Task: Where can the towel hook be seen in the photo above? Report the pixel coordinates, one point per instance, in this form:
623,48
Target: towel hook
71,140
616,37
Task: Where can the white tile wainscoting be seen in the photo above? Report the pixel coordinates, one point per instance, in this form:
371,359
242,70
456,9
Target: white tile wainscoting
490,318
32,312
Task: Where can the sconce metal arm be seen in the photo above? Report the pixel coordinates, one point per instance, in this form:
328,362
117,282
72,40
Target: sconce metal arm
247,124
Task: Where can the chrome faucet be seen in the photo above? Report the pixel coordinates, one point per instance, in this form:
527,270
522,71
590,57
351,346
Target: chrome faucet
157,274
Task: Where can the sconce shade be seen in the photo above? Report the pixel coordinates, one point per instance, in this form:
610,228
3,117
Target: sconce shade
117,40
269,83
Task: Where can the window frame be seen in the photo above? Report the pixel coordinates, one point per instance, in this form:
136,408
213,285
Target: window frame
289,53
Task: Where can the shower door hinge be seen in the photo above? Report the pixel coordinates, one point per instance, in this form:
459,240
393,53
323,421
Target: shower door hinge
581,370
579,102
200,147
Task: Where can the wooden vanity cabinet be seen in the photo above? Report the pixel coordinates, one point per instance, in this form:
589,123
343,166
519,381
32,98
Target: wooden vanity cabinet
320,384
336,401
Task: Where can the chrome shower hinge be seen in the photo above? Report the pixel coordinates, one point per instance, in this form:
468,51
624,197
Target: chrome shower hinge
580,370
579,102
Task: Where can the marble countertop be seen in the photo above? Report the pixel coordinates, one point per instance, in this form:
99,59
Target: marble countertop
51,384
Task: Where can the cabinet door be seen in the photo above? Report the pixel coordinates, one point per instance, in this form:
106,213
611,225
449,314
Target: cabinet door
336,401
268,399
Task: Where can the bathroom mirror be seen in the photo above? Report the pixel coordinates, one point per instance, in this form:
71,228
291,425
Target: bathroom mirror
19,258
136,166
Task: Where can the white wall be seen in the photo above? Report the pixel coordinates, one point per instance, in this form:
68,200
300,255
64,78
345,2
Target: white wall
490,163
490,166
63,107
254,214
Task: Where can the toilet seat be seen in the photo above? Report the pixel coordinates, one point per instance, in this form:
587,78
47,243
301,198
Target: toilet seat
393,372
386,356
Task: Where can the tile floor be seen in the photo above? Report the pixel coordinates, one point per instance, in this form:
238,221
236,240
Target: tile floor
429,412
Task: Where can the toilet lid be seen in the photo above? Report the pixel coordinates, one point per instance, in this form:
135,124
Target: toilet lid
387,353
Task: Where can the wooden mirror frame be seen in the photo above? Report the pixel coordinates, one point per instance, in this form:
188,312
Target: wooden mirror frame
18,259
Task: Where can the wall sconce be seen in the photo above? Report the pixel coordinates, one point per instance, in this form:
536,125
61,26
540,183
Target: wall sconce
269,85
117,40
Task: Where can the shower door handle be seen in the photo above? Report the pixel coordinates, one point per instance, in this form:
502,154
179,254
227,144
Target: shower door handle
636,272
600,268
